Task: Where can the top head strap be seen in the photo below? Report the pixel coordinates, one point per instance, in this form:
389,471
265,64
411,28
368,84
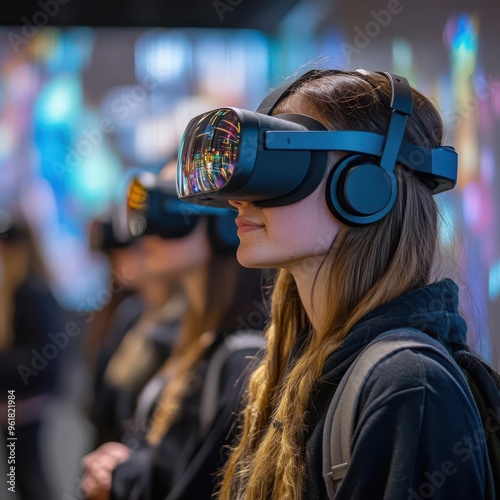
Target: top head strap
273,98
266,107
399,85
401,99
401,107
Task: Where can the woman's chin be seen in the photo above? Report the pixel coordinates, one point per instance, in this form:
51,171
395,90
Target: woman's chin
252,260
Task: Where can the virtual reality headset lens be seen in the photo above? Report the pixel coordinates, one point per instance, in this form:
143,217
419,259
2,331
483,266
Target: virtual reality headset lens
151,210
137,207
227,154
209,152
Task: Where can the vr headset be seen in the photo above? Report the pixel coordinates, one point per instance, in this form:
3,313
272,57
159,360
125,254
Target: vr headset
231,153
153,208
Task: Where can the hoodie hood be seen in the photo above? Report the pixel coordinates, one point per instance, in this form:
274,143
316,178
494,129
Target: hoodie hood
432,309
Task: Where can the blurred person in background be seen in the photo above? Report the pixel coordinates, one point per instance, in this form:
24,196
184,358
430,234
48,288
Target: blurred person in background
129,325
33,333
122,255
140,338
180,438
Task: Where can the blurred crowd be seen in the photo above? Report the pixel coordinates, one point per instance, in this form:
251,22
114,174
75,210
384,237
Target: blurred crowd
166,351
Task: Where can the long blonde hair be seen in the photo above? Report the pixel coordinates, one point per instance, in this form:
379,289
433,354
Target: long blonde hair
368,266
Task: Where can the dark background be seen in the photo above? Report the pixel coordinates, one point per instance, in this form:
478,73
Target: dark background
258,14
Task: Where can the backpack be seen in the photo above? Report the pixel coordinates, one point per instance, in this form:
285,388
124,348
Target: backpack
482,380
246,339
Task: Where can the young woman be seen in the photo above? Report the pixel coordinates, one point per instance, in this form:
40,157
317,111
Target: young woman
350,270
177,449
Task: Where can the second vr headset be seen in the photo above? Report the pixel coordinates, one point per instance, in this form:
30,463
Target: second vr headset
153,208
231,153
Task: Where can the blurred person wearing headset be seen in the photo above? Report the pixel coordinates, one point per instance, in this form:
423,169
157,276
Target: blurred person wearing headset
185,412
333,178
31,320
133,333
122,255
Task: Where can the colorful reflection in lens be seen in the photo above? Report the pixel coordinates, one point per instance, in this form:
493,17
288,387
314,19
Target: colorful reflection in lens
137,207
209,152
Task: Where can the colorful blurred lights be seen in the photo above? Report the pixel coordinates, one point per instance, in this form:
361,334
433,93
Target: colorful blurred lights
472,204
494,281
487,165
60,101
478,207
460,33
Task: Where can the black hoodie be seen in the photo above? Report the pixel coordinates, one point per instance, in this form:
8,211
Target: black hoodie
417,433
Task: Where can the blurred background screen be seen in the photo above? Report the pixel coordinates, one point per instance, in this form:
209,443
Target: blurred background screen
82,107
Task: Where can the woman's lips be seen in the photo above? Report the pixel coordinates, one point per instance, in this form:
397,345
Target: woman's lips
246,225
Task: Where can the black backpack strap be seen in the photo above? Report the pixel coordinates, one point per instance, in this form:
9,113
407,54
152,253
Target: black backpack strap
340,419
482,375
246,339
484,383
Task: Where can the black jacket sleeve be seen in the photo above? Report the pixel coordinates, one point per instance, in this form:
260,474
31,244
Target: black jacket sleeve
131,479
185,464
418,435
30,366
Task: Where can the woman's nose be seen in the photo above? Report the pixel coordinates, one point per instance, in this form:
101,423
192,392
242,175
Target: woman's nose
240,203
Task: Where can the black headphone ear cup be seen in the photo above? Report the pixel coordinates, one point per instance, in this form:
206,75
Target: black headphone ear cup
222,233
359,191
